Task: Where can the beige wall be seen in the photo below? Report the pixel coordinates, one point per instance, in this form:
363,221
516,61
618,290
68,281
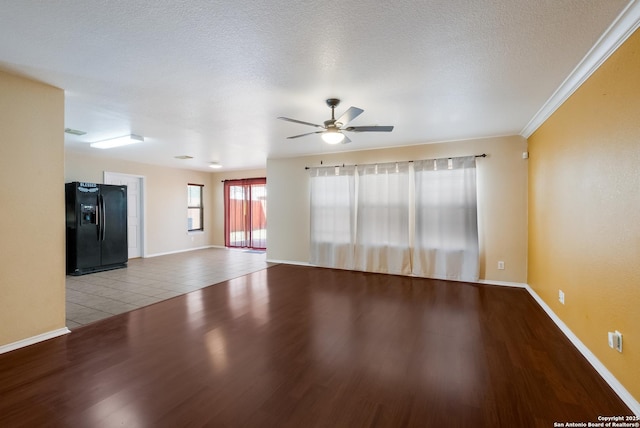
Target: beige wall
584,212
166,199
32,234
217,195
502,200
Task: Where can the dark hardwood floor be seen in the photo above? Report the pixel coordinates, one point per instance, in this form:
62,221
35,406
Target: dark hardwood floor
294,346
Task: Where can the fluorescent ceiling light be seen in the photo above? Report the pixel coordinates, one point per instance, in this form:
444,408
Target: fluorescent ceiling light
215,165
117,142
331,136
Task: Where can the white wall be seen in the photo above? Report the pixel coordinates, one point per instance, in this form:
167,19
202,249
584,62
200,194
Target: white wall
166,199
502,200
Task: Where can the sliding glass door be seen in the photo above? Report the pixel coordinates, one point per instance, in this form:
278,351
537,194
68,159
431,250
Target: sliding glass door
245,220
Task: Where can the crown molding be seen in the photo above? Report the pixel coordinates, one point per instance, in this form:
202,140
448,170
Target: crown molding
624,25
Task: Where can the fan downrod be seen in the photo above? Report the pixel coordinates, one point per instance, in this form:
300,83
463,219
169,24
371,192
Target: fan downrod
332,103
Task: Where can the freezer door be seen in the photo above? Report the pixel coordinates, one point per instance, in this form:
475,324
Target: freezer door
87,228
113,205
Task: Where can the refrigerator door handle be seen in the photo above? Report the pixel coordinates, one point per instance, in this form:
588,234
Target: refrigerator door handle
104,217
98,218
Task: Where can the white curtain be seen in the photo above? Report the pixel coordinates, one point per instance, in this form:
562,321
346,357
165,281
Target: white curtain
383,238
332,216
446,225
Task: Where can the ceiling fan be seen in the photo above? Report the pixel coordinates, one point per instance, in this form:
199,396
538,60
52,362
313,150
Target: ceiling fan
332,132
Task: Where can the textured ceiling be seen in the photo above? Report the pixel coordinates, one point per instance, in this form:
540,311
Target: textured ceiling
208,78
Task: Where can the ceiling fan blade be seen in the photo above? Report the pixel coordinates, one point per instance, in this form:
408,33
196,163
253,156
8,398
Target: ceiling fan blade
301,122
302,135
346,140
349,115
369,129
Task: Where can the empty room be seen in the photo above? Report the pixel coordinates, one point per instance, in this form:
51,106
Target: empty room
277,214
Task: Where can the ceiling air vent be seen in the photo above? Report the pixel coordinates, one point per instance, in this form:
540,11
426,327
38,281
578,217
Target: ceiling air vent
73,131
183,157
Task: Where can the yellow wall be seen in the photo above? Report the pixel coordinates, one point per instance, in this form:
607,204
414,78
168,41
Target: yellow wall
502,200
584,212
166,199
32,231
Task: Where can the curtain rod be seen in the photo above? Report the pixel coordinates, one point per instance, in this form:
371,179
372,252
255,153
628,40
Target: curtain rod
484,155
243,179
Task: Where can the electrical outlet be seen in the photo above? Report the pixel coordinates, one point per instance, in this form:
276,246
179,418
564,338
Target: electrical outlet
500,265
561,296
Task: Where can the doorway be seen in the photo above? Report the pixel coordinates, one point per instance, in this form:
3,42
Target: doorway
245,213
135,212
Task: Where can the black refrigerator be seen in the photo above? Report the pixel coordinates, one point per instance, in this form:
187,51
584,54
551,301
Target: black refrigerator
96,227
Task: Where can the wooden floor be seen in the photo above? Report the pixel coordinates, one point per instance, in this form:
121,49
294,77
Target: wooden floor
293,346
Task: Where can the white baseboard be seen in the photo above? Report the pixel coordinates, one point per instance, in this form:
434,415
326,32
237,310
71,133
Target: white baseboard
32,340
290,262
481,281
180,251
502,283
619,389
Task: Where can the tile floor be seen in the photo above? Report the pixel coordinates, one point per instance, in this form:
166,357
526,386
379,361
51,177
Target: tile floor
146,281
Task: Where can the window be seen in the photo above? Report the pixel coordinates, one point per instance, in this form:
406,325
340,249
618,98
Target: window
425,225
195,211
383,237
446,219
245,219
332,216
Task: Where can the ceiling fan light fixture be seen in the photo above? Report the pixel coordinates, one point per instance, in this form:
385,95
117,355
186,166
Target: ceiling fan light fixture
333,127
332,136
